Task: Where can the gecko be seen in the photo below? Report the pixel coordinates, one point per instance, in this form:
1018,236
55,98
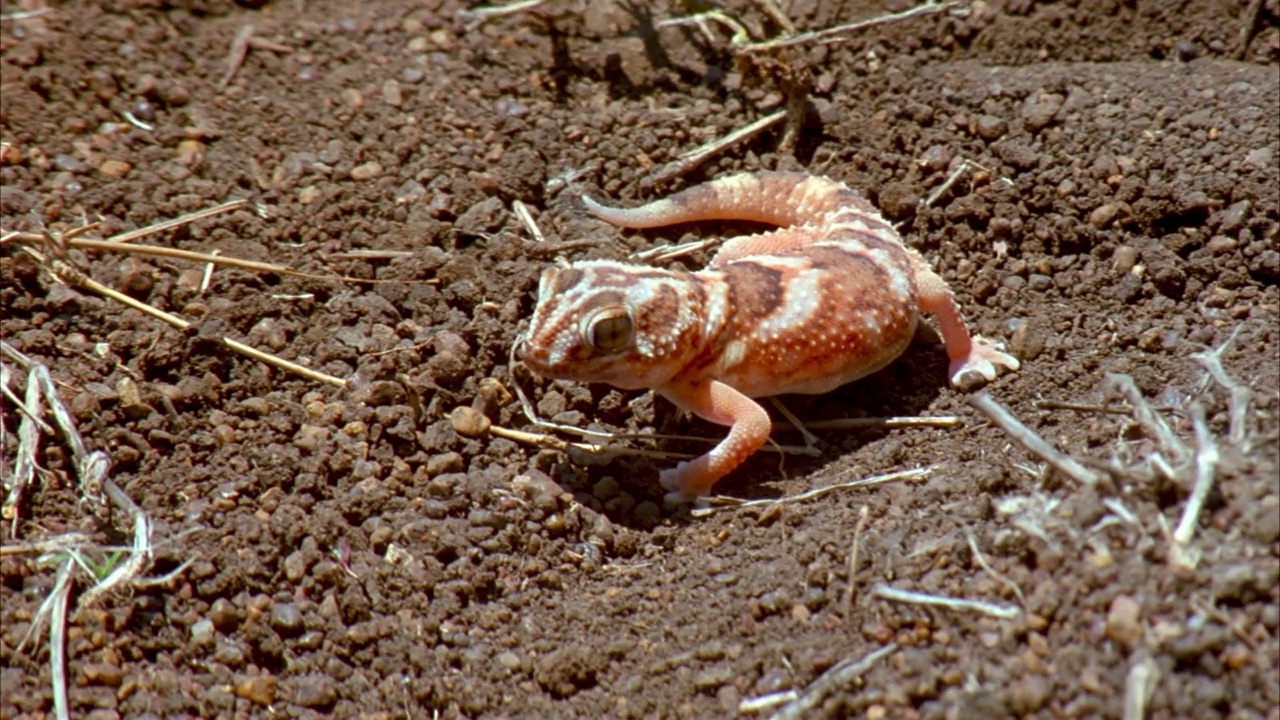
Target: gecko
829,297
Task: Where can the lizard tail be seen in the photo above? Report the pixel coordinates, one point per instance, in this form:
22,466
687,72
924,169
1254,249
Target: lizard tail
776,198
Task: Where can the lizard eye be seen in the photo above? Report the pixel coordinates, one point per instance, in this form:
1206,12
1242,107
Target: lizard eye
608,330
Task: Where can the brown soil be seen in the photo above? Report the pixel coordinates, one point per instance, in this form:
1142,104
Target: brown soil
354,555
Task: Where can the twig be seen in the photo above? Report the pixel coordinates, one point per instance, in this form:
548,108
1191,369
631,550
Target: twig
740,34
24,14
139,557
179,221
721,502
28,446
809,438
940,421
79,279
955,175
1206,466
764,702
236,55
833,34
693,158
60,596
482,14
907,596
668,251
1139,684
552,442
1249,23
831,681
213,258
526,218
1238,396
849,595
1148,418
1084,407
134,121
1033,443
46,546
982,562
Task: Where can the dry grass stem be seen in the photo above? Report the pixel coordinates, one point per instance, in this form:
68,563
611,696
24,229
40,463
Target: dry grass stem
25,464
370,254
526,218
24,14
61,599
1083,407
852,592
46,546
810,440
1139,684
1148,418
1033,443
542,440
982,562
1248,25
179,221
693,158
482,14
839,677
236,55
740,34
73,277
961,604
661,253
837,33
1238,396
721,502
941,421
1206,467
765,702
951,180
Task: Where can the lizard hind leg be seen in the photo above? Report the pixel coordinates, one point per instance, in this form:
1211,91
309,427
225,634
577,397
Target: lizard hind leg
969,355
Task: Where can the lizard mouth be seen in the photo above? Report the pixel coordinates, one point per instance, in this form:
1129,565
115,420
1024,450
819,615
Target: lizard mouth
522,353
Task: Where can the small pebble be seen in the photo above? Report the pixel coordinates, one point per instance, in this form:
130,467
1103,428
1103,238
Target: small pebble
1124,259
1040,110
391,93
286,618
990,127
115,168
224,615
469,422
201,631
509,660
712,678
366,171
352,98
260,689
1124,622
314,691
1104,215
101,674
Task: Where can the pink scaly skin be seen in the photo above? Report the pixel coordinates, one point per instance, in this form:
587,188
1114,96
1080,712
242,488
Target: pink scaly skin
832,296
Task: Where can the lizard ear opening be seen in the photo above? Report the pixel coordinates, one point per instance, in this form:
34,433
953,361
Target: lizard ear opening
608,330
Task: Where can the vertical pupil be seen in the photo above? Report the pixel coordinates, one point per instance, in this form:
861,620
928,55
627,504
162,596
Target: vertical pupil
611,333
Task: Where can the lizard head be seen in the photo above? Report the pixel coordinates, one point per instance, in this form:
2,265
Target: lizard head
601,321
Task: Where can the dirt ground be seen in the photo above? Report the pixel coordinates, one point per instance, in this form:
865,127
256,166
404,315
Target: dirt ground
373,552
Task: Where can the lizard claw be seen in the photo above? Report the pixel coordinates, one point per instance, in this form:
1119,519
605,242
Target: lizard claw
983,361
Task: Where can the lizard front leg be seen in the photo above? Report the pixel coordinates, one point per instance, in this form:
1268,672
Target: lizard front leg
715,401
